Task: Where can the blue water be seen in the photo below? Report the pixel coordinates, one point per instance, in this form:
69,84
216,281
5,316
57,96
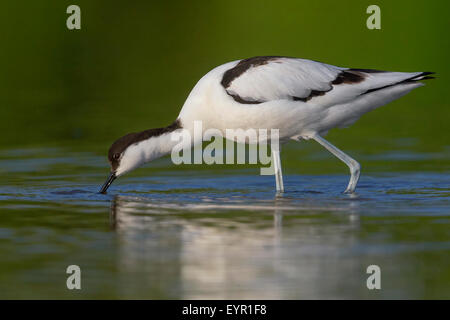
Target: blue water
201,233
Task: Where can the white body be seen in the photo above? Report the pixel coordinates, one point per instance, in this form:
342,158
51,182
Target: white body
301,98
340,107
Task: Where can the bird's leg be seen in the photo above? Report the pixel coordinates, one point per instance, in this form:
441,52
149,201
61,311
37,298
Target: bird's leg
355,167
277,167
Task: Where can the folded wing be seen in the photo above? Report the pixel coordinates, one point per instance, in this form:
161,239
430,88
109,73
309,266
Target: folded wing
262,79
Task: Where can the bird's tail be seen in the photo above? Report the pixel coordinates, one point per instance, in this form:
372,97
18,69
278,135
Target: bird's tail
391,79
380,88
422,76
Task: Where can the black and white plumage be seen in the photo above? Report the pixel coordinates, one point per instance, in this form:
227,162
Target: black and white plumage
302,98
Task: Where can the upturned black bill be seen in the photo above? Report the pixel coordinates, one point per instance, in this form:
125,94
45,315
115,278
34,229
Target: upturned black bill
111,178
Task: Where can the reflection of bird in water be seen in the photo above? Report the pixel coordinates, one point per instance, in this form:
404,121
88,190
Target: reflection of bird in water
301,98
191,253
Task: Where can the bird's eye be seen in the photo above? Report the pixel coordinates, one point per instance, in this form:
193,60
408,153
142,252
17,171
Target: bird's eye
116,156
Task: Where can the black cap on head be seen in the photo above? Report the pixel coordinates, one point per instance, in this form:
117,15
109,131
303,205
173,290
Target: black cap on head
117,149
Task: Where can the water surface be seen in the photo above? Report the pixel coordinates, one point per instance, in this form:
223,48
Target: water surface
205,233
219,231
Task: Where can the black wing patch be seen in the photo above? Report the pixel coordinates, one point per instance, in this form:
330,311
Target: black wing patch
239,69
243,66
314,93
348,76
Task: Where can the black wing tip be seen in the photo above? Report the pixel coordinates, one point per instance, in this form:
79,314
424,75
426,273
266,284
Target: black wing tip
367,70
422,76
426,73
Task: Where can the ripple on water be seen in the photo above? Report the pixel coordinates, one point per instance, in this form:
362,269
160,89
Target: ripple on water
195,235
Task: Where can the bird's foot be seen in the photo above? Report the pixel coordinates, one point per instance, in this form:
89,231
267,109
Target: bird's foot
351,193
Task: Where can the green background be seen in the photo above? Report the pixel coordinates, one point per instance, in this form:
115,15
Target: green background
65,96
133,63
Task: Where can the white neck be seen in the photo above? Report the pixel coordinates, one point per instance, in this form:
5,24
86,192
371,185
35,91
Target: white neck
154,148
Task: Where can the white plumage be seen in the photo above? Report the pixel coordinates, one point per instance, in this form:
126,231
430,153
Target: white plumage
304,99
284,78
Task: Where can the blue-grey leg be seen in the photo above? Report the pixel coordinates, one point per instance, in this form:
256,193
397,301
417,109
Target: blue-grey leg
277,168
355,167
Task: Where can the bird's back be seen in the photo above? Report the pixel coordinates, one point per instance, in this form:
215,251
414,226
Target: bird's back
296,95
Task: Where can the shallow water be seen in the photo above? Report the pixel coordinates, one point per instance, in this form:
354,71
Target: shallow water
216,231
206,234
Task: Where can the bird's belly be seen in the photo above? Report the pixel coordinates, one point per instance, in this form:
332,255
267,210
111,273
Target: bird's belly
288,118
215,109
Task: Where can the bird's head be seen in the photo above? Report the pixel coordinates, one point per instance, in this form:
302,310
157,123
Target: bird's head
134,149
124,155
